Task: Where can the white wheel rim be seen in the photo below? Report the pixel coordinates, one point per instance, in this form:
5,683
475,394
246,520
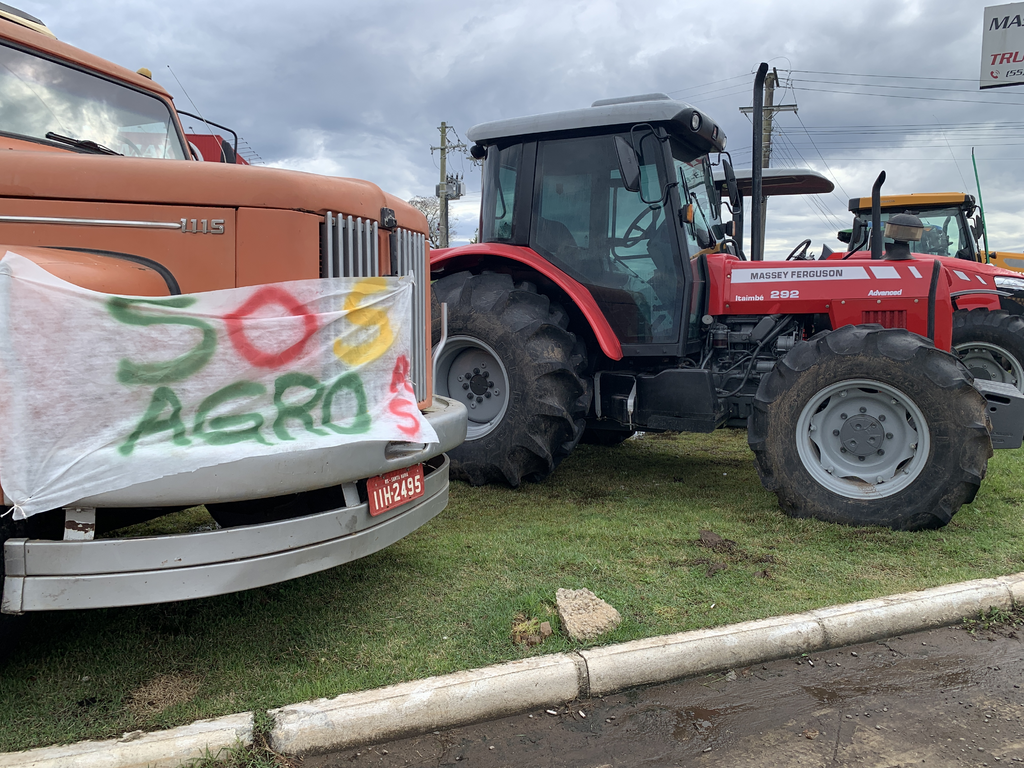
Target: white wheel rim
992,363
471,372
862,439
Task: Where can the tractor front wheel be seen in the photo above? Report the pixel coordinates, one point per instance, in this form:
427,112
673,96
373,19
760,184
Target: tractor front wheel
991,344
511,360
870,426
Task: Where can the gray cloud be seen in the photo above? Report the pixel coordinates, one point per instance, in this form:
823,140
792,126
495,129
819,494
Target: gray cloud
358,89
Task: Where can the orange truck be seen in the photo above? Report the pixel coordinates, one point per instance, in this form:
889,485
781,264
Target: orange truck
98,186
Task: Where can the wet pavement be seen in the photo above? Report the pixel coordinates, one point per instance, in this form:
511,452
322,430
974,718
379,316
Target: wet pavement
942,697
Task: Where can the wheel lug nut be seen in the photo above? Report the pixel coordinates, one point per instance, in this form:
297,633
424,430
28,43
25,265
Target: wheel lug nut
479,399
842,450
863,409
881,417
888,435
881,452
470,397
465,385
861,458
843,416
487,394
490,383
835,432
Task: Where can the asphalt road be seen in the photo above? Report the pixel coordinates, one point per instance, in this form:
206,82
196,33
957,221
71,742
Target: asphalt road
937,698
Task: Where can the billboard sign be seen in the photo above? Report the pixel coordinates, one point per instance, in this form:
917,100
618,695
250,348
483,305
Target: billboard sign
1002,46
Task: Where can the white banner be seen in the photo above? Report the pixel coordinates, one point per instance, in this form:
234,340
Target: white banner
1002,46
101,392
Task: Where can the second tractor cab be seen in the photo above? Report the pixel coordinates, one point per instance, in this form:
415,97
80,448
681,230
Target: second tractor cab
607,297
952,226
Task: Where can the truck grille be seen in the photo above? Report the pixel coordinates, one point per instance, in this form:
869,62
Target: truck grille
409,257
349,248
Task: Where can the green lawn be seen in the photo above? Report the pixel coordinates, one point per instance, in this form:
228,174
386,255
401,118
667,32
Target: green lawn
623,522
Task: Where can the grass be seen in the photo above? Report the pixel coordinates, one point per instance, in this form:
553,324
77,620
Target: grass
624,522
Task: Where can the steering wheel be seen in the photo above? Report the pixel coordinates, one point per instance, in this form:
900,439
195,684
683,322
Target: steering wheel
643,233
800,252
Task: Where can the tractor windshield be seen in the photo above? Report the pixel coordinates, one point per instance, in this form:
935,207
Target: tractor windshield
697,189
946,232
608,238
39,97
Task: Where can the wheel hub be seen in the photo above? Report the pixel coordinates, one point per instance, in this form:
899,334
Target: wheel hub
862,438
471,371
862,435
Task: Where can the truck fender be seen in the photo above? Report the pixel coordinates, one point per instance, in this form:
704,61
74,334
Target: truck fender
102,271
471,257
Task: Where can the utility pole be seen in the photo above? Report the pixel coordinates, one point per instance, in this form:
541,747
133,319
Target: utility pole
450,188
768,111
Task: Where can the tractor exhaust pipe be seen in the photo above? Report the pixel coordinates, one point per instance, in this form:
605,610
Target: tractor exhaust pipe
756,235
876,216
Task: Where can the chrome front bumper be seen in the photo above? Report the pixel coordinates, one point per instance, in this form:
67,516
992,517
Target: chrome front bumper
63,575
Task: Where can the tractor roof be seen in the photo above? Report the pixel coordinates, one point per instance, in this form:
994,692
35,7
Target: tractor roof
680,118
918,200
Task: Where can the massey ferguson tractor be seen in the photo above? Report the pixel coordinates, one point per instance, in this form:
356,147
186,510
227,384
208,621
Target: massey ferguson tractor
606,296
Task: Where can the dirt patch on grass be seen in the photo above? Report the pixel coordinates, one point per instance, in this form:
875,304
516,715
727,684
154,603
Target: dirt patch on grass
163,691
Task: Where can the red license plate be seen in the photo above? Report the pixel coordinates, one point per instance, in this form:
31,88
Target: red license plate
392,489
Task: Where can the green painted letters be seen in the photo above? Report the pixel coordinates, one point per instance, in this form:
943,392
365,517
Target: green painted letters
298,411
223,430
168,371
151,422
361,423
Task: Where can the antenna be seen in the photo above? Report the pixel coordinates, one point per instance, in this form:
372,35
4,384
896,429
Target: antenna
223,156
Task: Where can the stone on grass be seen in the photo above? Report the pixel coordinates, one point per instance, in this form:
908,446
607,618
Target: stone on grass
584,615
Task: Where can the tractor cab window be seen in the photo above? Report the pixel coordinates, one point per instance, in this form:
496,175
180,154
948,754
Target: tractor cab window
39,97
606,237
697,189
945,233
499,193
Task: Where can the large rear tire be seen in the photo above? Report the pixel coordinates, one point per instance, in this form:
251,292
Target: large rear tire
870,426
990,344
512,361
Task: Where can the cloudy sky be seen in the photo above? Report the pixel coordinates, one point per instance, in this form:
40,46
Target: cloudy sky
359,89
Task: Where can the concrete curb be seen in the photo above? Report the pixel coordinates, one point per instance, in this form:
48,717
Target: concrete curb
503,689
425,705
442,702
160,749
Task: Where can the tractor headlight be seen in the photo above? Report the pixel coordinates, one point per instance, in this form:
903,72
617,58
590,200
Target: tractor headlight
1010,283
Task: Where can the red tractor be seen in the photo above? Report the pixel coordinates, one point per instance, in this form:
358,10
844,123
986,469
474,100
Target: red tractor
607,297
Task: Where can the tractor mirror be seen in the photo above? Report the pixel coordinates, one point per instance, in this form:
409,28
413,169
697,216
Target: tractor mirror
629,166
844,235
735,199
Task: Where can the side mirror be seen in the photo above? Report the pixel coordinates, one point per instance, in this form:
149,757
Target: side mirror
844,235
629,166
735,200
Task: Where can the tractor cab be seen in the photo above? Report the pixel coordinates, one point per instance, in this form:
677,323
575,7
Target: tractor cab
952,223
620,197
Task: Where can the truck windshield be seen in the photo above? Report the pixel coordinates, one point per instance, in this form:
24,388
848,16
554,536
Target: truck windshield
40,96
